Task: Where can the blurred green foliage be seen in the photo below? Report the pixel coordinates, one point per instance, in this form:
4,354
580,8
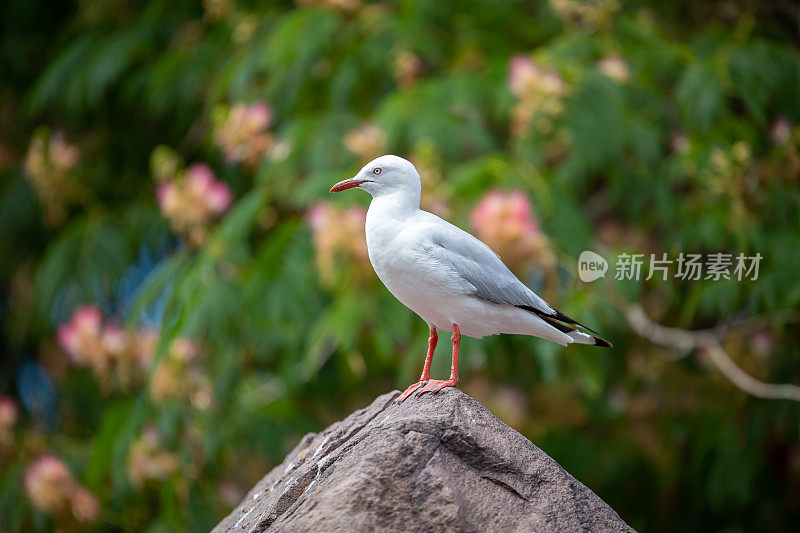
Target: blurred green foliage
632,126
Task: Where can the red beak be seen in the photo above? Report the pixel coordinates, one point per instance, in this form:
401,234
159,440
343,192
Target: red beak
347,184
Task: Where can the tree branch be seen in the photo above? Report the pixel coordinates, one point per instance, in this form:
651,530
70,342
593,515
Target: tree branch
691,340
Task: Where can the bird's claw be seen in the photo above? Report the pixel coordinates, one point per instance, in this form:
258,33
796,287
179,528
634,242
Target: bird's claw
409,391
435,385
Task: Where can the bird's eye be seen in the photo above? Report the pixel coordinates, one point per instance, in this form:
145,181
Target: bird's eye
377,170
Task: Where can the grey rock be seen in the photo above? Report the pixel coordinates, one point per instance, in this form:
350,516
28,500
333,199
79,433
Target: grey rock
439,462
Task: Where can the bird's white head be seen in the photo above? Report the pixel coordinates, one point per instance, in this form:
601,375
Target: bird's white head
386,175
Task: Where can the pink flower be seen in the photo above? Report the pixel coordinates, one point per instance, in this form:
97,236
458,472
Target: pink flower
539,95
498,208
219,197
520,70
8,412
242,133
147,460
199,178
180,374
48,484
78,336
781,130
48,163
317,215
87,318
259,115
521,213
114,355
144,345
614,67
338,232
85,507
505,221
63,154
192,202
407,68
366,141
51,488
680,143
114,339
184,349
212,195
167,194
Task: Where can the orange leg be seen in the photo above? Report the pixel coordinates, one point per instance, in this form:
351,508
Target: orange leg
426,368
433,339
435,385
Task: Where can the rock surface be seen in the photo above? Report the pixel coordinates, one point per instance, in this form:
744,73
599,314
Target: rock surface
440,462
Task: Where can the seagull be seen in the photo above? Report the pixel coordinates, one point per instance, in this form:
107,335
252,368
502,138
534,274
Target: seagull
452,280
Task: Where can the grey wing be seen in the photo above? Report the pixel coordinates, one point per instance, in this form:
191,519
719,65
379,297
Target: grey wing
482,269
485,274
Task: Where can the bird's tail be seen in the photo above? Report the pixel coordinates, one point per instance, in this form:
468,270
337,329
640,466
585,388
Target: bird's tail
567,325
580,337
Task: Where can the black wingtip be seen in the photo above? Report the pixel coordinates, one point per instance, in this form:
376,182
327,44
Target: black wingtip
602,343
564,318
557,315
